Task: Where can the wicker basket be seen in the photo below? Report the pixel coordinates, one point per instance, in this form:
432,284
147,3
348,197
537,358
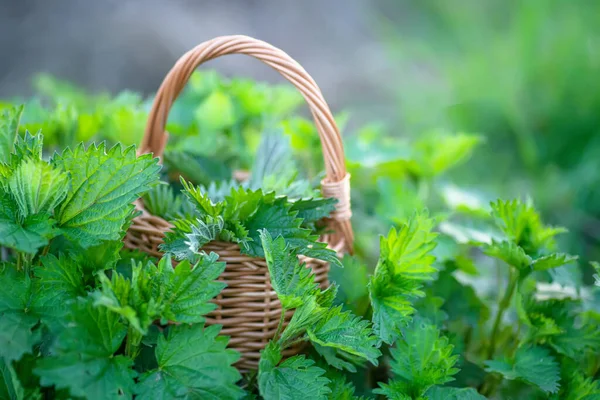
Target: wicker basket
248,308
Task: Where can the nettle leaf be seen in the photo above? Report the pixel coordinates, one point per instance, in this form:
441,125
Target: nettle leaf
27,234
10,387
313,210
276,218
561,325
421,359
297,378
510,253
292,281
27,146
404,264
17,335
181,294
452,393
576,340
188,237
103,186
395,390
338,359
341,389
175,241
347,332
204,204
241,203
162,201
578,387
98,258
279,220
552,261
194,363
204,232
59,281
392,298
132,300
17,321
534,365
522,225
9,126
306,315
187,290
83,359
38,187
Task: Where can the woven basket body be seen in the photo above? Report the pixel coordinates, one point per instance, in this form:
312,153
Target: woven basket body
248,308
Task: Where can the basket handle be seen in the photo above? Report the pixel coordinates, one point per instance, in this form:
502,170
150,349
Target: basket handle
337,181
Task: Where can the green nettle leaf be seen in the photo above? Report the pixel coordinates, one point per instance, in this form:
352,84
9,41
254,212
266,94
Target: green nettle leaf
307,314
297,378
561,325
23,234
103,186
522,225
204,205
292,281
38,187
273,159
181,294
421,359
338,359
327,297
510,253
175,242
241,203
187,290
341,389
9,125
578,387
10,387
204,232
17,336
404,264
162,201
395,390
59,281
130,299
345,331
534,365
193,363
27,146
552,261
312,210
576,340
17,322
98,258
83,359
277,219
452,393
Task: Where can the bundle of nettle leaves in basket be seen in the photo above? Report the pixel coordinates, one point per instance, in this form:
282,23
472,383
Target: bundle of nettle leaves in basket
228,219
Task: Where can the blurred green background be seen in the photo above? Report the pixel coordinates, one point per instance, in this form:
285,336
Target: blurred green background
445,104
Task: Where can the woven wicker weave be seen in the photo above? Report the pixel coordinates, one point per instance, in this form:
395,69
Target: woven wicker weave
248,308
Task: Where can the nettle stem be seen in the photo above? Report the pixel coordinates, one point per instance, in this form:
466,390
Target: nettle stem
132,343
280,325
492,381
502,307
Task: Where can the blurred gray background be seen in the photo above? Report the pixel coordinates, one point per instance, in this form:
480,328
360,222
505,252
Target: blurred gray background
131,44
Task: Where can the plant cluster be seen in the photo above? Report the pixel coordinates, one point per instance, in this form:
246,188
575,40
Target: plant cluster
463,301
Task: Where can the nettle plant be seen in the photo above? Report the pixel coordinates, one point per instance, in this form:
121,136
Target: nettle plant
431,318
74,321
